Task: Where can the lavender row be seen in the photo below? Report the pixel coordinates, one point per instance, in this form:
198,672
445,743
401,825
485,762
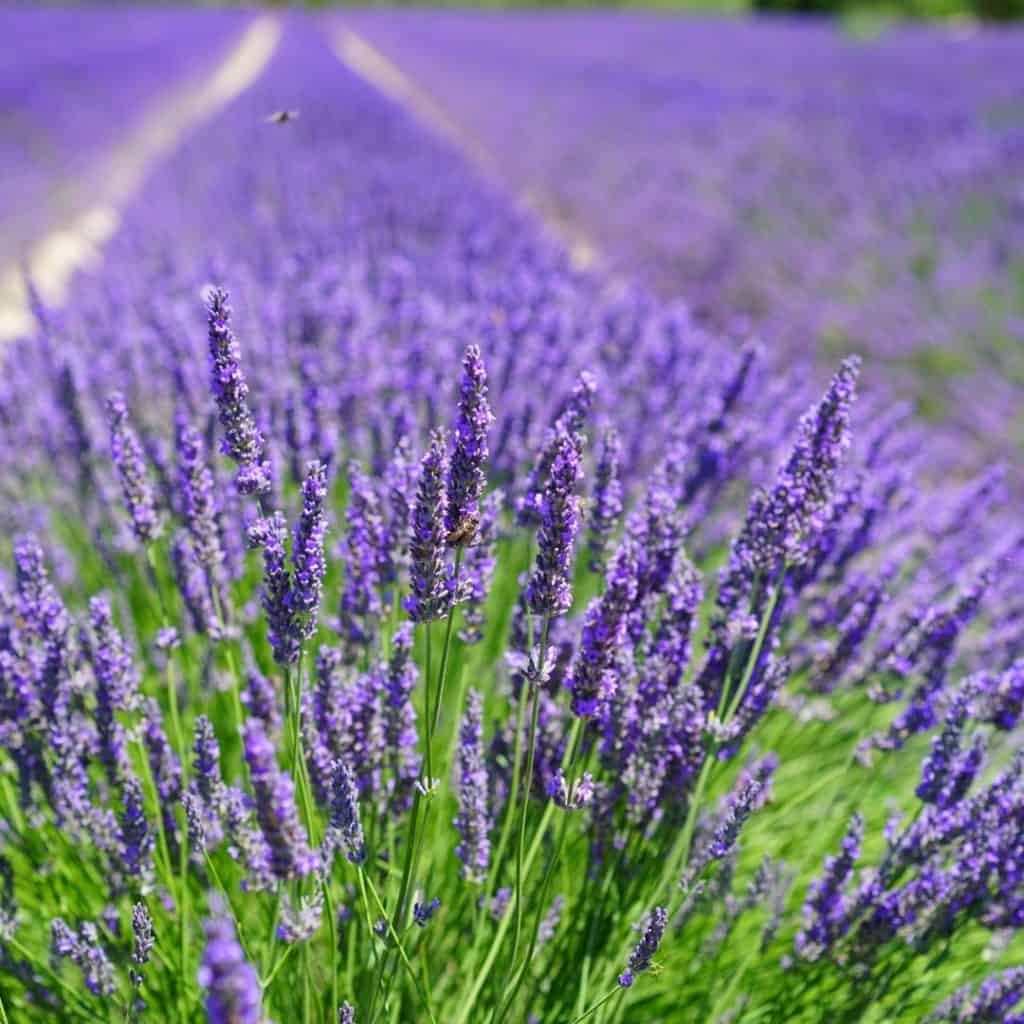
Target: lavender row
73,84
839,194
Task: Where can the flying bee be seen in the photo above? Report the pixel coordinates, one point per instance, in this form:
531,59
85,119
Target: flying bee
282,116
464,533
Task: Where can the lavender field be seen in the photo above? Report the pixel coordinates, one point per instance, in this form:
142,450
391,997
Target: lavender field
519,522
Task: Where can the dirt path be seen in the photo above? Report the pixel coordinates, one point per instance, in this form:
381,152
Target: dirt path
53,259
370,64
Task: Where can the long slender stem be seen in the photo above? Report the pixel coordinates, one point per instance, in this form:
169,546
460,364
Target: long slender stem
365,882
443,673
531,752
597,1006
572,748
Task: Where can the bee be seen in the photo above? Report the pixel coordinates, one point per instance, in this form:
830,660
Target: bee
282,116
464,533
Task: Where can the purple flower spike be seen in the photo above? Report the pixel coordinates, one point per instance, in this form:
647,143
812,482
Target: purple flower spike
199,501
309,566
423,912
592,677
826,907
272,535
606,502
643,953
345,813
782,521
130,463
466,471
431,595
549,589
231,983
242,440
116,686
136,835
474,849
290,856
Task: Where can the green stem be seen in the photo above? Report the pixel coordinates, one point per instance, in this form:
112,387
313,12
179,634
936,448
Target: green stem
597,1006
572,748
531,752
366,883
443,673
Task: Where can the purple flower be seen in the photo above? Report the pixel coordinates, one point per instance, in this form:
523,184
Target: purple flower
478,570
473,820
231,983
199,501
346,1014
825,913
571,796
1007,698
144,939
130,463
308,564
549,588
345,813
194,586
568,423
361,605
644,951
592,675
606,501
85,951
466,469
282,628
136,840
431,594
260,698
116,685
290,856
301,921
423,912
242,440
208,781
165,768
399,711
946,747
750,792
783,520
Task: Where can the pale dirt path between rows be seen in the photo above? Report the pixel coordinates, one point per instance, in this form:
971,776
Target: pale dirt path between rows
53,259
373,66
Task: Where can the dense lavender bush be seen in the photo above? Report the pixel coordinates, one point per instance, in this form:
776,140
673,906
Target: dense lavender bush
447,635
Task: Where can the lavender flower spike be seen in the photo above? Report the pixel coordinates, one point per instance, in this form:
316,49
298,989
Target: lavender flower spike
308,564
345,813
346,1014
606,502
130,463
549,588
431,596
591,679
199,501
825,910
474,849
642,955
290,856
231,983
242,440
466,473
272,534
